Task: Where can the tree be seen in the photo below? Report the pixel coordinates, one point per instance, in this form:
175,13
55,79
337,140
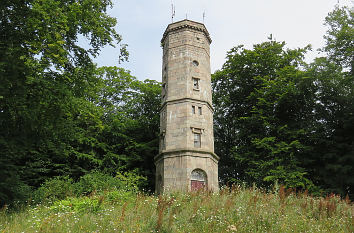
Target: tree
46,77
262,100
332,160
131,122
339,37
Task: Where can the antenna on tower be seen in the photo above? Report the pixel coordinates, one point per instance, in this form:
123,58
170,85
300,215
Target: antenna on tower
173,12
203,16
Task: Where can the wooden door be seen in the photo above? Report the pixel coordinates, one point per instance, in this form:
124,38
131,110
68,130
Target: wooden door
197,185
198,180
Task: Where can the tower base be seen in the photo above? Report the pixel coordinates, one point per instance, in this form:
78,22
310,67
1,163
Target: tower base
186,170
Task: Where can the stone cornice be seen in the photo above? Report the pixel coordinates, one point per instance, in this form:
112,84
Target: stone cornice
187,24
169,152
185,100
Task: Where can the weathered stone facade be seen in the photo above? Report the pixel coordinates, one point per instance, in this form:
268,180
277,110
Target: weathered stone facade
186,116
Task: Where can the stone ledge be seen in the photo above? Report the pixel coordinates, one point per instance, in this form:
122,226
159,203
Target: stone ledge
183,100
165,154
187,24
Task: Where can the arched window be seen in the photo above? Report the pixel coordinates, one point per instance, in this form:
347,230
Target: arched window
198,180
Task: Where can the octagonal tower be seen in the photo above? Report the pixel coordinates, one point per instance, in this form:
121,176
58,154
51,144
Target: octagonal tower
186,159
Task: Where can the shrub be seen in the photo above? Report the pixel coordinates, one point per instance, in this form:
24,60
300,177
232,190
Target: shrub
131,181
96,182
61,187
57,188
79,205
120,196
12,189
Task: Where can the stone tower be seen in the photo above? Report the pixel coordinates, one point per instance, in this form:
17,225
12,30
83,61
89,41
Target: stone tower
186,159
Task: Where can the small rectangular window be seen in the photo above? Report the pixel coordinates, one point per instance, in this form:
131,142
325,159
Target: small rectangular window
197,142
200,110
164,90
193,109
196,83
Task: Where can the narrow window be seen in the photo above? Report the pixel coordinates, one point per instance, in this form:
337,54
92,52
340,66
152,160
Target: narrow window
163,142
163,90
200,110
196,83
197,142
195,63
193,109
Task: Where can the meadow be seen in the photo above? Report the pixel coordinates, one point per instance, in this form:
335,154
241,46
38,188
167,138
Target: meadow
236,209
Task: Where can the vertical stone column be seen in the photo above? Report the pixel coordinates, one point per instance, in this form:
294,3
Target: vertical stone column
186,152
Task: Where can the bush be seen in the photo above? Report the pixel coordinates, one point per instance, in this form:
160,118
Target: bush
61,187
131,181
120,196
96,182
57,188
79,205
13,191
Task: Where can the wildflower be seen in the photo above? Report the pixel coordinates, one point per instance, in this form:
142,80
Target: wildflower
232,228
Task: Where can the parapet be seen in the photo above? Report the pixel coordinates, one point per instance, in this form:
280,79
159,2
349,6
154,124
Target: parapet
186,24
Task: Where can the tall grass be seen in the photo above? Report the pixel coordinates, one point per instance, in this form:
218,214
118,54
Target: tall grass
235,209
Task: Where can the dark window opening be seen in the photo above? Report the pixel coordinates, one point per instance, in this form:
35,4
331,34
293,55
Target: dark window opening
196,83
197,140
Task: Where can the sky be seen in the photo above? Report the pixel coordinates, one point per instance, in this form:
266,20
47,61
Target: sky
142,23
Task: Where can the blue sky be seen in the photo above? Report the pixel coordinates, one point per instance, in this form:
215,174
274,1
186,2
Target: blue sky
229,22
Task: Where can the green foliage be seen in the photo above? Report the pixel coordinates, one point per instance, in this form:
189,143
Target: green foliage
99,182
60,115
46,83
56,188
278,119
261,101
339,37
332,161
131,181
96,182
79,205
131,122
120,196
63,188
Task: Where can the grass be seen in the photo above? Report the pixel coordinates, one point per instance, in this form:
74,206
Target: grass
230,210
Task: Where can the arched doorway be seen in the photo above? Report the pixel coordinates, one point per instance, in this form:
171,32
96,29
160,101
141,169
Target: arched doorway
198,180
